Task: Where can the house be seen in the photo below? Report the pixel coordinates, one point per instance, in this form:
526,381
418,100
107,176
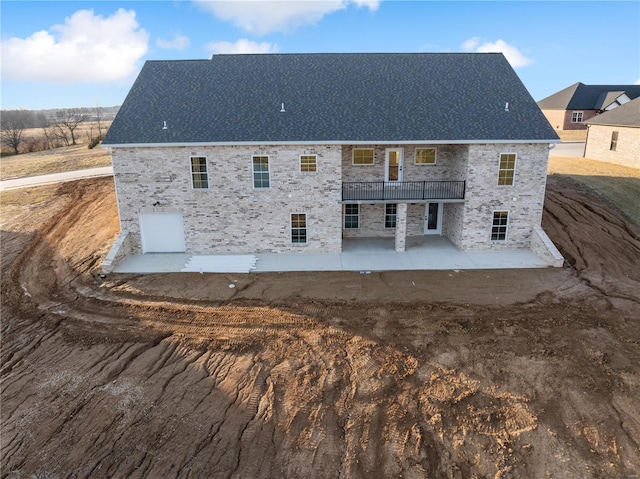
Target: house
614,136
292,153
570,108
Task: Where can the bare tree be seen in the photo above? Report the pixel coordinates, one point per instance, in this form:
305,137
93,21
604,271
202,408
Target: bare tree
98,114
69,119
57,134
12,125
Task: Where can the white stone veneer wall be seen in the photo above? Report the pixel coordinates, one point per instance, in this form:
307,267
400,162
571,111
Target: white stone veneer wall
231,217
524,200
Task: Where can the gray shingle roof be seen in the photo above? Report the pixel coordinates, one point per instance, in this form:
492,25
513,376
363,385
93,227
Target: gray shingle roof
329,97
624,115
586,97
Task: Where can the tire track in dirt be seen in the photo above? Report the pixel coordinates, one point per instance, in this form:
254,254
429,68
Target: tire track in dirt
103,385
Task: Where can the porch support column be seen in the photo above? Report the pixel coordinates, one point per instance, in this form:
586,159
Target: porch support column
401,227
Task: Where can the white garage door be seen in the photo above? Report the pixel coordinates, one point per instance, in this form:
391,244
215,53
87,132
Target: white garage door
162,233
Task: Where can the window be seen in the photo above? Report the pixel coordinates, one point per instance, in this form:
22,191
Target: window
261,172
199,175
299,228
351,216
499,226
576,117
425,156
308,163
390,212
614,141
363,156
507,169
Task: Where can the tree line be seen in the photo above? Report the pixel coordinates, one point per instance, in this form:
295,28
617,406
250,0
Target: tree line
59,127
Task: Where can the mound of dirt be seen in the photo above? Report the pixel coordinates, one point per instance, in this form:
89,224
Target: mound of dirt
505,374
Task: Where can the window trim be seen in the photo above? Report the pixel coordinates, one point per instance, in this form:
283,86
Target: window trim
513,170
575,115
435,156
614,140
373,156
306,229
253,172
495,226
315,170
357,216
389,215
193,173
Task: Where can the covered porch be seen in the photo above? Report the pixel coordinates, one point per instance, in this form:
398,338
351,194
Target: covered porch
358,254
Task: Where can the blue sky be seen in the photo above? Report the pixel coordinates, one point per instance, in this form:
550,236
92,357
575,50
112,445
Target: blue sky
78,53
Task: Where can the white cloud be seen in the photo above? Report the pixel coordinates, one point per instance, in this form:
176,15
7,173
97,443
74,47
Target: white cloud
242,46
261,17
638,81
87,48
179,42
511,53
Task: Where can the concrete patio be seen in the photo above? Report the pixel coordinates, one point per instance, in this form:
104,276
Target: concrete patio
362,254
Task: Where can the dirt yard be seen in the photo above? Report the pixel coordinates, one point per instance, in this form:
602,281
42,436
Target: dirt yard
441,374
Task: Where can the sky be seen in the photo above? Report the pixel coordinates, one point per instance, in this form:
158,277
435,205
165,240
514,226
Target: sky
88,53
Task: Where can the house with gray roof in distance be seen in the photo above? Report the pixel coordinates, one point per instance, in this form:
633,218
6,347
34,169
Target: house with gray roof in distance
296,153
614,136
570,108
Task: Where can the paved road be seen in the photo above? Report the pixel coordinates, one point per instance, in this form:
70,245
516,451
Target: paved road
574,148
55,178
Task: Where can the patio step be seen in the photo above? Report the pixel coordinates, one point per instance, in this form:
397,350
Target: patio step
220,264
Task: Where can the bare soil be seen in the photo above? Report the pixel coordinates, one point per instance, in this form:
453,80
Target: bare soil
471,374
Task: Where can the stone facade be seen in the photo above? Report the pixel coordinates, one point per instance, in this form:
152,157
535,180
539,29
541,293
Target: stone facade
627,150
523,200
231,216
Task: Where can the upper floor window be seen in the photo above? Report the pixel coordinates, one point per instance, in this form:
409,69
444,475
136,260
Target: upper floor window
308,163
576,117
614,141
507,169
425,156
363,156
199,175
499,225
261,177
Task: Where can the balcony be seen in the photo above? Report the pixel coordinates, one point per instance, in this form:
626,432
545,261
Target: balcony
399,191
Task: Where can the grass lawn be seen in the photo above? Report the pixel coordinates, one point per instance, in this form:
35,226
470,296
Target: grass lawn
53,161
619,185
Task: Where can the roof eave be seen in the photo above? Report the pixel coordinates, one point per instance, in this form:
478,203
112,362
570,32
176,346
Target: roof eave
327,142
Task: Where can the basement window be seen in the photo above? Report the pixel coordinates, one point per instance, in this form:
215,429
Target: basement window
299,228
499,225
351,216
390,215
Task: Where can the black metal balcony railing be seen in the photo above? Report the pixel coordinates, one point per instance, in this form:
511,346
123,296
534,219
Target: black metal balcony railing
402,190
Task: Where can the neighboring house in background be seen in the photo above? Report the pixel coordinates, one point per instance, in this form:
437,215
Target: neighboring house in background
614,136
245,154
570,108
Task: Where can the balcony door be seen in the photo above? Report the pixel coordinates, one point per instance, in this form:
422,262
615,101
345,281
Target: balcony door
394,158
